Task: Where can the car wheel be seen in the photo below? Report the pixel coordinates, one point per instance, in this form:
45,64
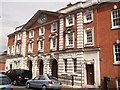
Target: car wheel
15,82
44,87
28,85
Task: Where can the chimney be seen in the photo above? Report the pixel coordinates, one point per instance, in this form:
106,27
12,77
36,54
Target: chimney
70,4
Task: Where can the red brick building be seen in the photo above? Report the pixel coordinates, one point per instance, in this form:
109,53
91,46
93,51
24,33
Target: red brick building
81,40
3,61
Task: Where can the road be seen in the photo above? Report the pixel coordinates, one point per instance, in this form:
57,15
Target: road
24,88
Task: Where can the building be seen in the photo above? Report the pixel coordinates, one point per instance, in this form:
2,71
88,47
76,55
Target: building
80,41
3,57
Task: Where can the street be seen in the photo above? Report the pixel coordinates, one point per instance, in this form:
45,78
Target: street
24,88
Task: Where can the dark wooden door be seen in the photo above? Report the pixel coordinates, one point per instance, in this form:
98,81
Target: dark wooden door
90,74
10,66
41,68
30,65
54,68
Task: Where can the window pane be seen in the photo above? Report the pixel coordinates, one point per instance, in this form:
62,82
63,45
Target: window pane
75,64
119,83
65,62
40,45
41,30
89,36
31,33
70,38
116,17
117,52
70,20
54,26
54,43
88,16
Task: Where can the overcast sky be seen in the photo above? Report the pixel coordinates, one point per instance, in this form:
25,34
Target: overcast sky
14,13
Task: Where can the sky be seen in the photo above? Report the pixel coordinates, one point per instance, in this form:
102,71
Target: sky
14,13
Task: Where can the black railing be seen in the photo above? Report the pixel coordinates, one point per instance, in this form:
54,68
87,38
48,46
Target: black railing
68,80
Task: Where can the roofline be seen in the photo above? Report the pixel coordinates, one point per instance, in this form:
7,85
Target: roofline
42,11
70,6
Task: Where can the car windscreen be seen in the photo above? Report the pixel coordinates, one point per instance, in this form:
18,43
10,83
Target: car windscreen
4,81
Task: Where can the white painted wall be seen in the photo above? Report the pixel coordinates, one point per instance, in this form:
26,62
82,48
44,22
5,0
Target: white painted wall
93,57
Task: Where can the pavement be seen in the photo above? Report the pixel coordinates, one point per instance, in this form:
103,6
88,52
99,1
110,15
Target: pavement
64,87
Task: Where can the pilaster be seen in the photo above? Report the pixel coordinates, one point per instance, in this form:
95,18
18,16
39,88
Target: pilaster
61,34
80,30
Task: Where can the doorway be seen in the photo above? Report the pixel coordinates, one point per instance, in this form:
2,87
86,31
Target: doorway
10,66
90,74
29,63
54,68
41,67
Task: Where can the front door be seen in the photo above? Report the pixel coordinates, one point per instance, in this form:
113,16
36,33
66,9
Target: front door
90,74
54,68
41,68
29,64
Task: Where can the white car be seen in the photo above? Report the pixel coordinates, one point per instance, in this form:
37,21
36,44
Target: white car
44,82
5,83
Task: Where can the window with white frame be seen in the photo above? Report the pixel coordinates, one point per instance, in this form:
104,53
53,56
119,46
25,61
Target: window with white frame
65,64
41,30
54,27
69,40
117,53
116,18
88,16
75,64
53,43
88,37
17,49
118,83
19,36
12,51
8,51
70,20
40,45
30,47
31,34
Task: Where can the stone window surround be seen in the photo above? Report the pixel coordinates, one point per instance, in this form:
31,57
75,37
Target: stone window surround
54,27
67,20
116,62
85,16
86,44
43,28
117,26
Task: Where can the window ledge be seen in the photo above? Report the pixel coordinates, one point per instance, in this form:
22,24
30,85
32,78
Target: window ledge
88,44
19,39
87,22
53,31
42,34
40,50
17,52
53,49
118,27
116,63
29,52
69,25
30,37
69,46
